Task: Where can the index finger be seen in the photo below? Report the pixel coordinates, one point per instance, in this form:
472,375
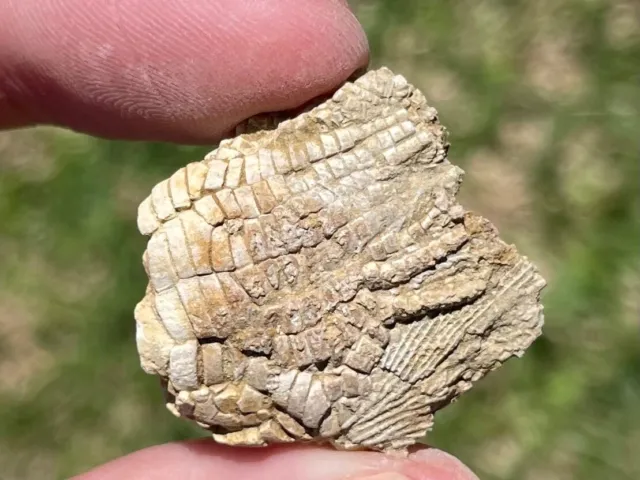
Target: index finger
175,70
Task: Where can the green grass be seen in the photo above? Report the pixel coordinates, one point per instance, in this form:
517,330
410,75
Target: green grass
73,395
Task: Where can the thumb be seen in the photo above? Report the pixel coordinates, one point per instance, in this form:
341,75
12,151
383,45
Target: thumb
205,460
172,70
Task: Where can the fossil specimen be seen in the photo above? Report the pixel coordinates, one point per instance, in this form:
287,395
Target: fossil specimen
318,281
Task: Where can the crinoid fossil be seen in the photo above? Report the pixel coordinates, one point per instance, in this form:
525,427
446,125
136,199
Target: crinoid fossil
318,282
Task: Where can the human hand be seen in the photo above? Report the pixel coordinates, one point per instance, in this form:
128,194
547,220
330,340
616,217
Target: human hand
189,71
182,70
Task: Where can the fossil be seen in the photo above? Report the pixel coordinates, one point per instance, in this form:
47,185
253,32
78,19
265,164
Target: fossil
317,281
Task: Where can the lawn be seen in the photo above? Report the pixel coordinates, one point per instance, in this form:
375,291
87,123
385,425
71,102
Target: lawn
542,101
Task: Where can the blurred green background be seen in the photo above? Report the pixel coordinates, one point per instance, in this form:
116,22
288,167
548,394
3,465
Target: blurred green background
542,100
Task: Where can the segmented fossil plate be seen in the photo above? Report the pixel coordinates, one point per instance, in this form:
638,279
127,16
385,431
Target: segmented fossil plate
319,282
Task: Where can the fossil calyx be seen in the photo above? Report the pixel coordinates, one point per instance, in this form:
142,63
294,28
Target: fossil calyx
319,282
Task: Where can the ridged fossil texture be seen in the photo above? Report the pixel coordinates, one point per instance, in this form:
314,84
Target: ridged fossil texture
318,281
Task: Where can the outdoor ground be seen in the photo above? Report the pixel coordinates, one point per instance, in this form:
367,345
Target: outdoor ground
542,101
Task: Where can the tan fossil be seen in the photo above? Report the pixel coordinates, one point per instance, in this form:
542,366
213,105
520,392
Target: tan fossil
319,282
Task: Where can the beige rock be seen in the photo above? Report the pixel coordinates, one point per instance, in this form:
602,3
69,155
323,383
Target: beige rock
318,281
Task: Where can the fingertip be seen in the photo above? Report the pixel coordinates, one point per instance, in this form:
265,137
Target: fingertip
162,71
198,459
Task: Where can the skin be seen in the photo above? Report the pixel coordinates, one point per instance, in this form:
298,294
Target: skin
188,71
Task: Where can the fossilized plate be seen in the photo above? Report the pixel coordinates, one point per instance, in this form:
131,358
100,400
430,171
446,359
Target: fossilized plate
319,281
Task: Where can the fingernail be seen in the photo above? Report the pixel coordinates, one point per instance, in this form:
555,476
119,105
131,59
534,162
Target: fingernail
308,463
385,476
439,465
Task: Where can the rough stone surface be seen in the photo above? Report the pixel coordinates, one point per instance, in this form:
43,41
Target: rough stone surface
318,281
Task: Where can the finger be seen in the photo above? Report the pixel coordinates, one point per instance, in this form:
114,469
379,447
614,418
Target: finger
180,70
206,460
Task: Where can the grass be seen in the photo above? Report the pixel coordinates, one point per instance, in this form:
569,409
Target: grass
542,100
